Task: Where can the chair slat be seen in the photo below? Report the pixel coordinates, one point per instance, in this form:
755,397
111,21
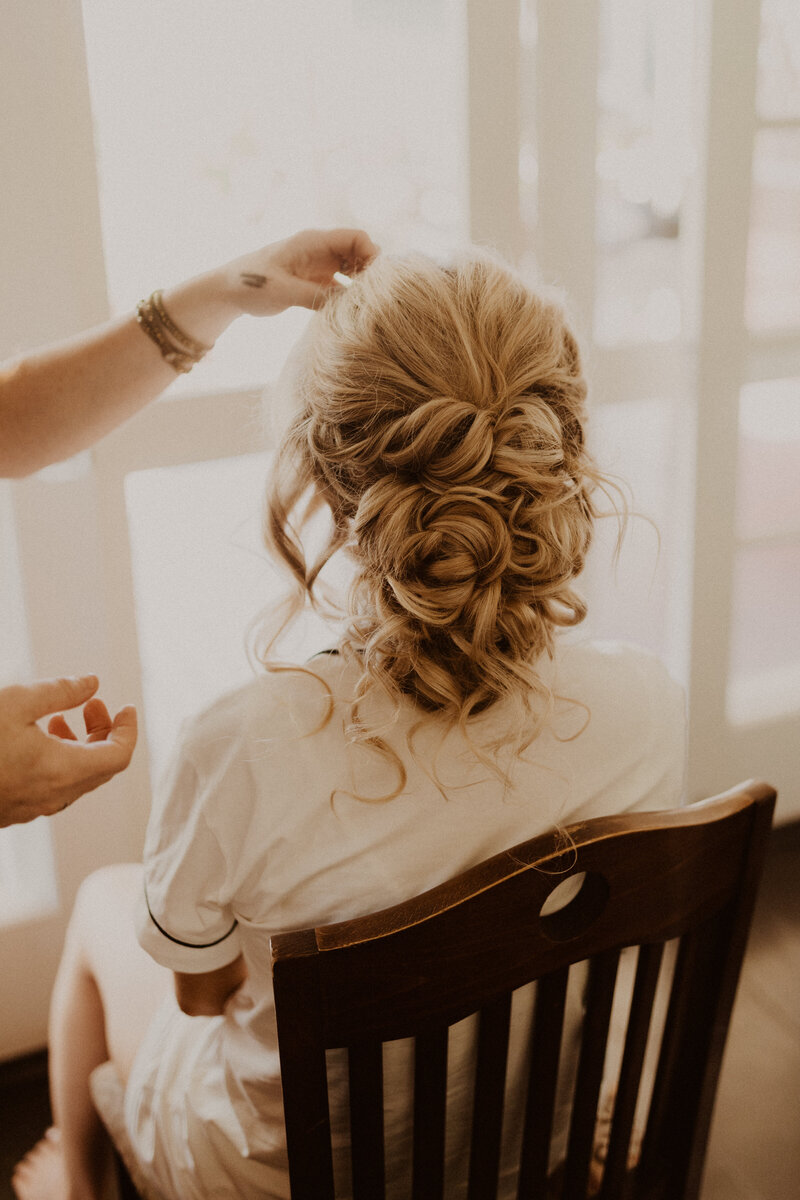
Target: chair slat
599,999
305,1085
644,990
487,1113
678,1061
366,1120
305,1106
430,1098
682,1060
548,1024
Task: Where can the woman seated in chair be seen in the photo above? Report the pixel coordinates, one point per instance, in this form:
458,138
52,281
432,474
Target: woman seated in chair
438,421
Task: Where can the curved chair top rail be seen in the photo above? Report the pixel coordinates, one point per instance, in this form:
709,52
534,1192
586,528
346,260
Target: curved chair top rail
648,877
553,856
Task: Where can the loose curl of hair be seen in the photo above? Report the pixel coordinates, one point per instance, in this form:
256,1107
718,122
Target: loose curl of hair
441,420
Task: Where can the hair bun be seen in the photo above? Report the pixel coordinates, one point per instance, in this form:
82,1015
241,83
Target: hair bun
443,441
442,422
433,549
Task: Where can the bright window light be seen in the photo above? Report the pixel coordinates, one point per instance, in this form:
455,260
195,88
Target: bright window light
773,258
764,678
27,873
201,575
768,483
646,159
779,60
221,127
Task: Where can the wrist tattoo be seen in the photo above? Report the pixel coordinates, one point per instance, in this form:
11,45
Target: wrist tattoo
256,281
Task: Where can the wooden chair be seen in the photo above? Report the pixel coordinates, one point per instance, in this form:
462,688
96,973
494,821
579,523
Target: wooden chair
417,968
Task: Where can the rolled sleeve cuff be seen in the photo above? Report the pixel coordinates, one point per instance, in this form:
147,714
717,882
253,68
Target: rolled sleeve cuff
187,957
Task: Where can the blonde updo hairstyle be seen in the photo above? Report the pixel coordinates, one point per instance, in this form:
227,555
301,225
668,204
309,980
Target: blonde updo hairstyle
440,417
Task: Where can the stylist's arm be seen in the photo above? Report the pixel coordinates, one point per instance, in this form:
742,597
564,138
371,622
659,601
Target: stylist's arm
60,400
41,773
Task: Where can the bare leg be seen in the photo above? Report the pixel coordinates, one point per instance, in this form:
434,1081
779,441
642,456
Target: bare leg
105,994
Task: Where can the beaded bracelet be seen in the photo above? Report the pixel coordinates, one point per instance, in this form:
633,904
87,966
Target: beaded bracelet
177,348
197,349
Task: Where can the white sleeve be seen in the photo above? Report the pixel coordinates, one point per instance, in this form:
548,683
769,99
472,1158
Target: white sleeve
185,920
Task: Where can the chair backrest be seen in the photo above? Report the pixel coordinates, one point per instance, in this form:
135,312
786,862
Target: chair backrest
414,970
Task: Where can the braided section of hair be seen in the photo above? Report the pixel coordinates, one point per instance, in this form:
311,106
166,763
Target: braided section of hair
441,415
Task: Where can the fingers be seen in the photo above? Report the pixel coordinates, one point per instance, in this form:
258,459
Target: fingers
345,250
99,725
308,295
354,247
97,720
111,752
78,768
50,695
298,271
58,727
124,731
316,253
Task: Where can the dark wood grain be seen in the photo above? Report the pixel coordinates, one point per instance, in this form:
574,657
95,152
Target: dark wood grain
487,1111
430,1106
305,1085
365,1062
548,1024
638,1027
599,998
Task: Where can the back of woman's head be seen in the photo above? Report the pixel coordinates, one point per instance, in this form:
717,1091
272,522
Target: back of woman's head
440,416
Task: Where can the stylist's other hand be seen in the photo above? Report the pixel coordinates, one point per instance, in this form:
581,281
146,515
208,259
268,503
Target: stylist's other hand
298,271
41,773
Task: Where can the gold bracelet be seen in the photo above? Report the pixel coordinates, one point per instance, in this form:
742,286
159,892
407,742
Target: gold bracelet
196,349
178,359
177,349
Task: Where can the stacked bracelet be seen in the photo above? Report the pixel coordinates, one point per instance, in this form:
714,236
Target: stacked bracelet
177,348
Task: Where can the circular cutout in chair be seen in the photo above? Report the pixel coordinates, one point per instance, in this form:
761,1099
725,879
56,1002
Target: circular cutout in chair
569,914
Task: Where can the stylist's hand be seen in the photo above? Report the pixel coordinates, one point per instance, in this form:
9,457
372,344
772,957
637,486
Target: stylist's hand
298,271
41,773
